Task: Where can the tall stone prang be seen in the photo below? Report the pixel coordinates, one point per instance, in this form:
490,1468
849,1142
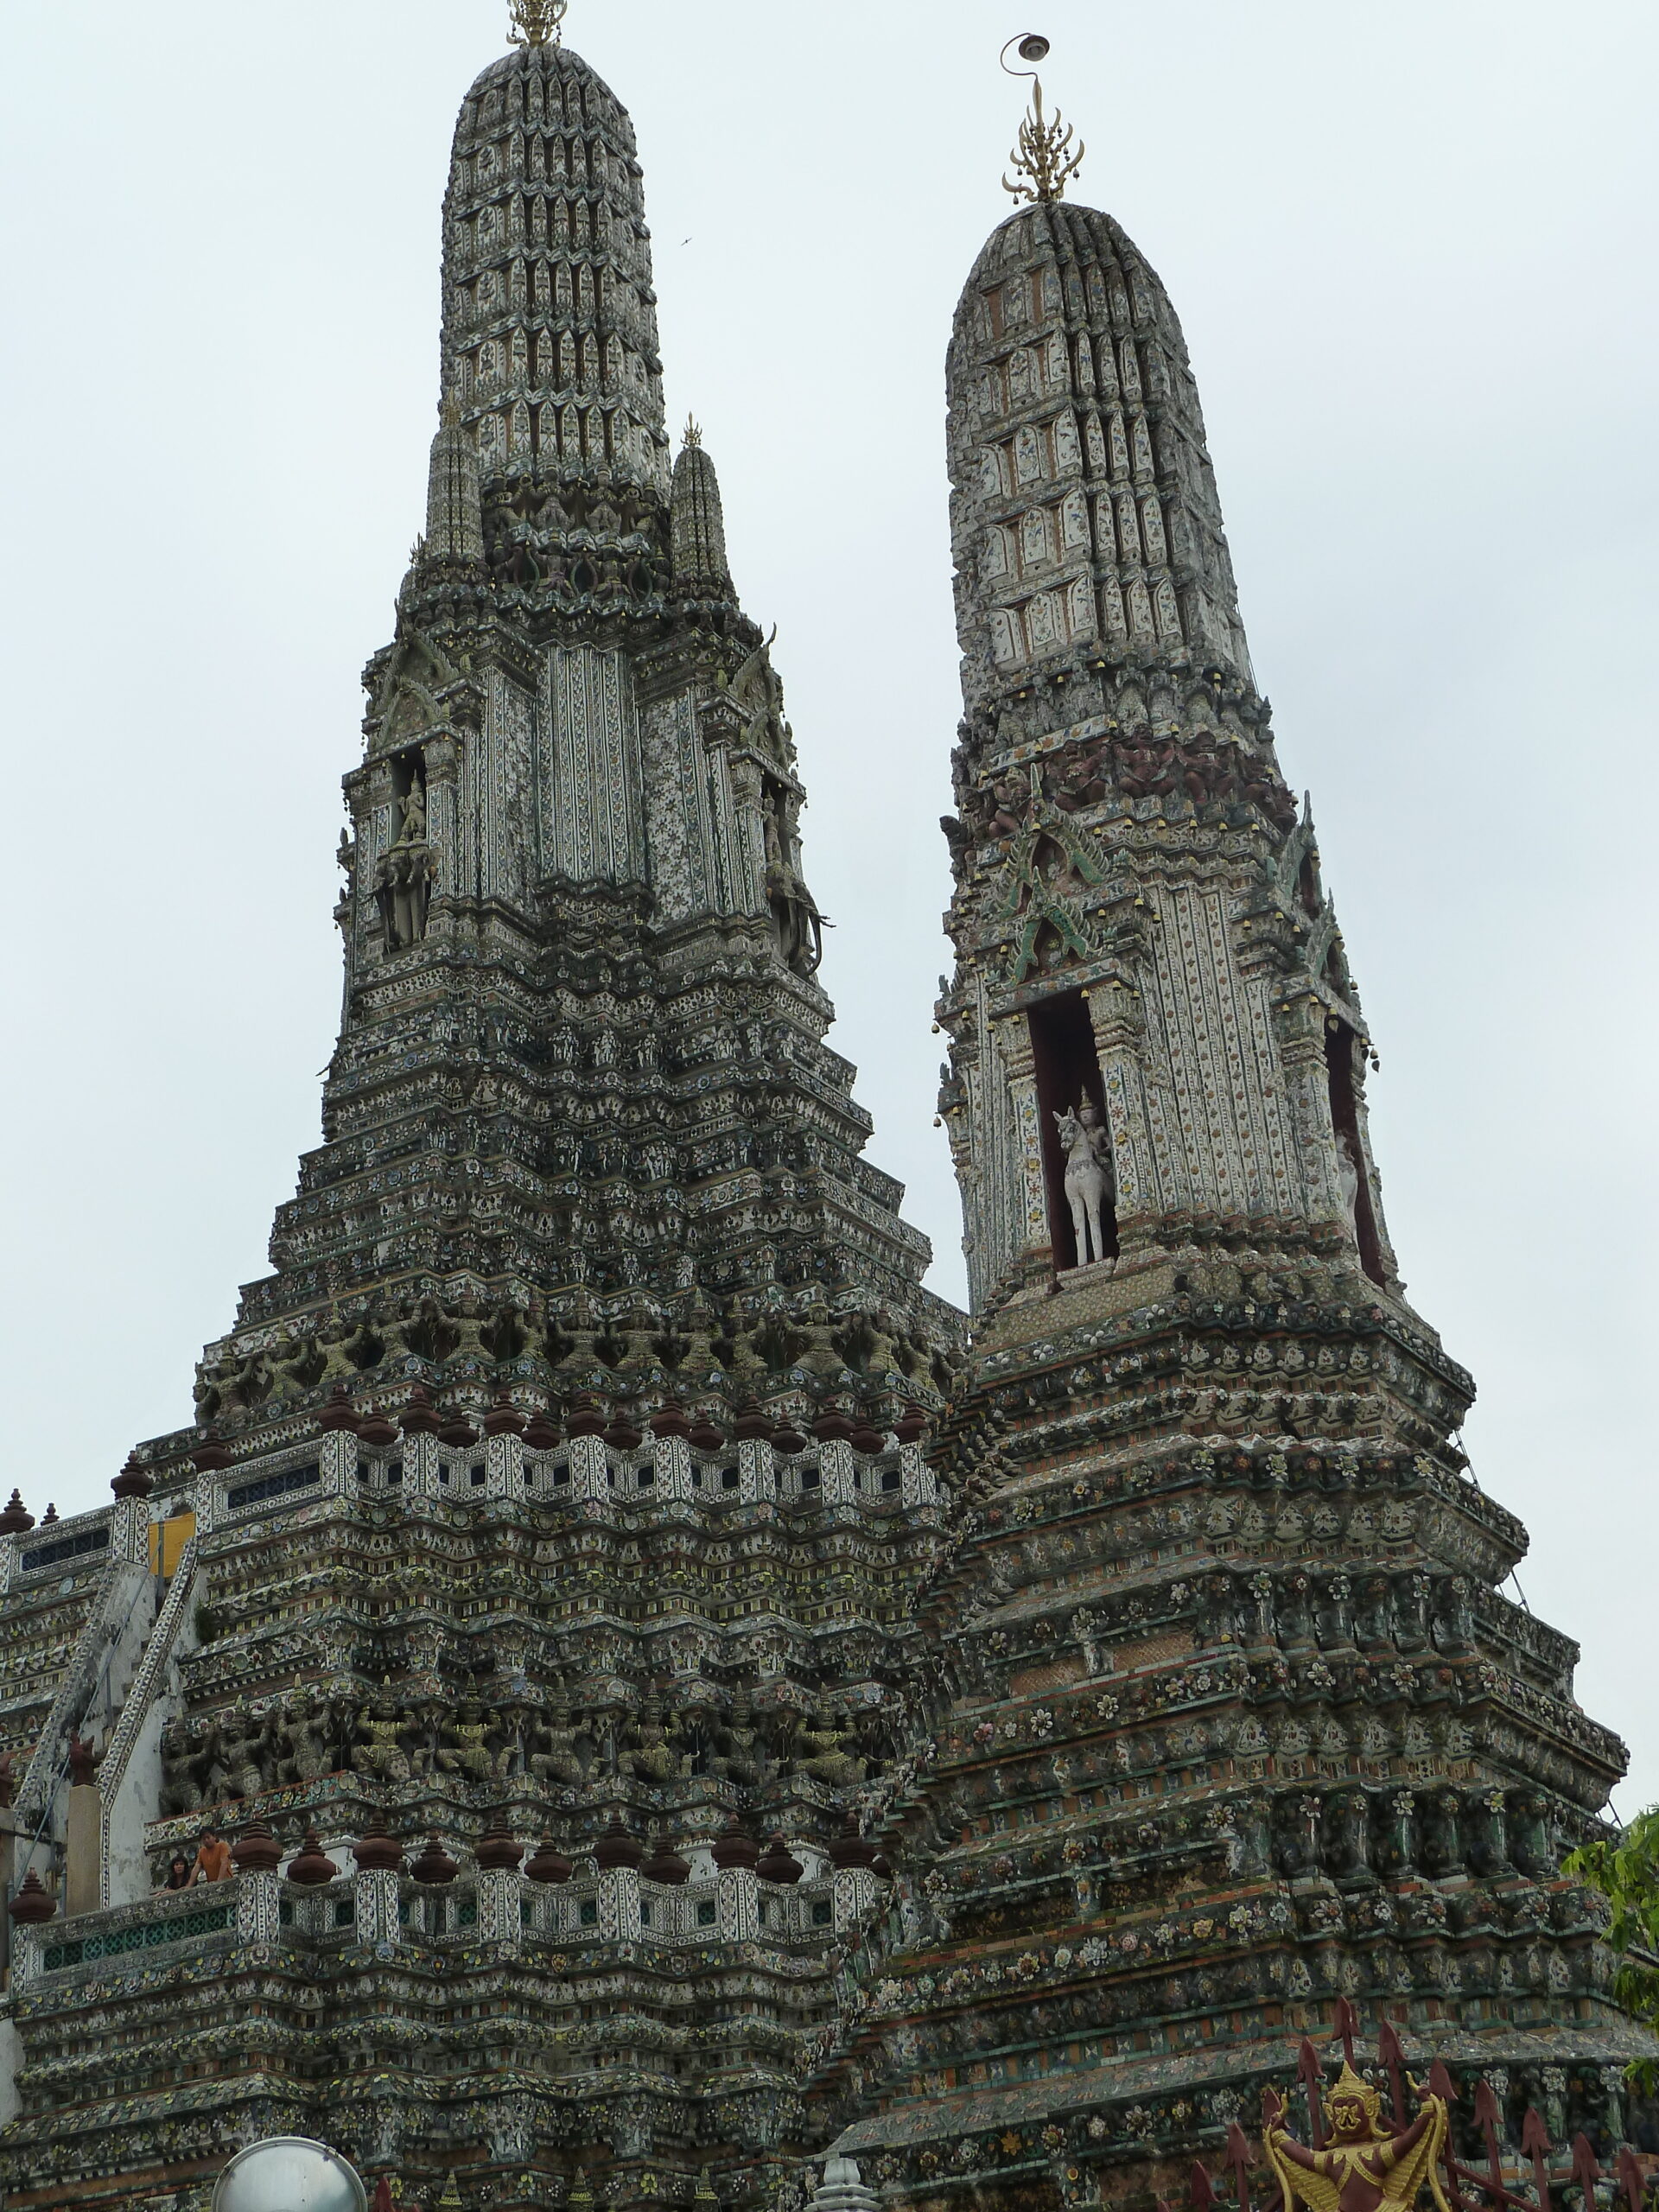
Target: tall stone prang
531,1598
1230,1721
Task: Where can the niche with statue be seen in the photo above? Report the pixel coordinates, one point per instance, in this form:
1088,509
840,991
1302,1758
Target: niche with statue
404,880
1341,1065
1078,1174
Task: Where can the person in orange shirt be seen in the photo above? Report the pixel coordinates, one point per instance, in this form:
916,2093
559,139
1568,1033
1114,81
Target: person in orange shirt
213,1861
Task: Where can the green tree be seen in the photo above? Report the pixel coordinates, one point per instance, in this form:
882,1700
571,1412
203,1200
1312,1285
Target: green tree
1625,1870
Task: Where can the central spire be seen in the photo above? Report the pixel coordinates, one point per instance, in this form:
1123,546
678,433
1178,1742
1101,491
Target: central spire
577,929
549,323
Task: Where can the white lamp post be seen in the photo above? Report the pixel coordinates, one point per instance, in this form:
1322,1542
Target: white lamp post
288,2174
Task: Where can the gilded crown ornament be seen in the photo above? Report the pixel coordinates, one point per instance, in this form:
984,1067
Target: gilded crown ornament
1049,153
537,22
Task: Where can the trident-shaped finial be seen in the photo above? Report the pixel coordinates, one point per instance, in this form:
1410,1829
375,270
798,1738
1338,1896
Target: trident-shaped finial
537,21
1049,153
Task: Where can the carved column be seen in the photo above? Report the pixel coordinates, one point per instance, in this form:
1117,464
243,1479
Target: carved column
755,1466
500,1904
339,1460
83,1886
855,1892
838,1474
590,1462
619,1905
1014,1049
1301,1048
737,1897
749,854
375,1894
259,1906
1119,1024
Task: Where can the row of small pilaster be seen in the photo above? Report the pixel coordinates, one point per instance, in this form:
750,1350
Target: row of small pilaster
584,1471
380,1909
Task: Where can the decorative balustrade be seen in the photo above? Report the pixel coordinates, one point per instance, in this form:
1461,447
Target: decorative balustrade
189,1922
386,1911
584,1471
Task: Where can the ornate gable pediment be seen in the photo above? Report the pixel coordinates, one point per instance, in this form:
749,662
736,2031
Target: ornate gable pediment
1049,866
409,700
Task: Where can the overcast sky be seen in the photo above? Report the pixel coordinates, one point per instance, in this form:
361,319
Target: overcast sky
1413,250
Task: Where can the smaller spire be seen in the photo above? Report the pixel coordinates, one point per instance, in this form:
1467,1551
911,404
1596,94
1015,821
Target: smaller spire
537,22
1049,153
697,524
455,505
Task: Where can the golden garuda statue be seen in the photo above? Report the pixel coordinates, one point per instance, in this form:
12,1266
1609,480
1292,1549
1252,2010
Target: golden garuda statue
1361,2166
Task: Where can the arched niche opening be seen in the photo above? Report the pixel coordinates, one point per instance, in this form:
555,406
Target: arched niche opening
1340,1046
1307,886
1066,1066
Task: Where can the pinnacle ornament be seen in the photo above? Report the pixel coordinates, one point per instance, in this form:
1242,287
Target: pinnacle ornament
537,22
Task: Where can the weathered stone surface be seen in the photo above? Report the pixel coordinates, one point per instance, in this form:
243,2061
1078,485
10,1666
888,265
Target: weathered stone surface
489,1538
1230,1719
1002,1763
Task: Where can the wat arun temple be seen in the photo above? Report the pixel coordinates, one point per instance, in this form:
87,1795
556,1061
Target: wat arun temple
618,1696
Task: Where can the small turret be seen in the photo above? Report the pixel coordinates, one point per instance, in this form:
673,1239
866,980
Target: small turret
699,524
454,507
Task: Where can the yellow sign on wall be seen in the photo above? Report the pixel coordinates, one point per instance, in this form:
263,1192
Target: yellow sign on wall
166,1541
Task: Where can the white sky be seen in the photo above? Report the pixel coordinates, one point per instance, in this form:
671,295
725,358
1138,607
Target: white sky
1414,250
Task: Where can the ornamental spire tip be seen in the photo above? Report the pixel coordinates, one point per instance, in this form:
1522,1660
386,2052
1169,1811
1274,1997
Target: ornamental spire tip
537,22
1049,153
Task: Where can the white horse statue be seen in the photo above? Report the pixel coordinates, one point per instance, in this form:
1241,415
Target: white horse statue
1088,1150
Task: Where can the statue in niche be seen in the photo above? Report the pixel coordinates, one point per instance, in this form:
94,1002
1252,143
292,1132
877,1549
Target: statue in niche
736,1752
404,880
796,921
554,1754
827,1752
649,1753
195,1771
1348,1181
251,1752
414,830
377,1750
307,1743
466,1749
1088,1177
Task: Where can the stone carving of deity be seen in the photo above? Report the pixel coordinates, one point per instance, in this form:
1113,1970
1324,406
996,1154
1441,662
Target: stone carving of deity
797,923
403,881
1348,1181
1088,1150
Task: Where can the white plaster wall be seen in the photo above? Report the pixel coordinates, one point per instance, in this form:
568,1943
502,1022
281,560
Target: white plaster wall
138,1801
11,2060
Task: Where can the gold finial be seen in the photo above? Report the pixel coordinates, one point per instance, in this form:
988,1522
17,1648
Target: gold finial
1049,153
693,435
537,21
